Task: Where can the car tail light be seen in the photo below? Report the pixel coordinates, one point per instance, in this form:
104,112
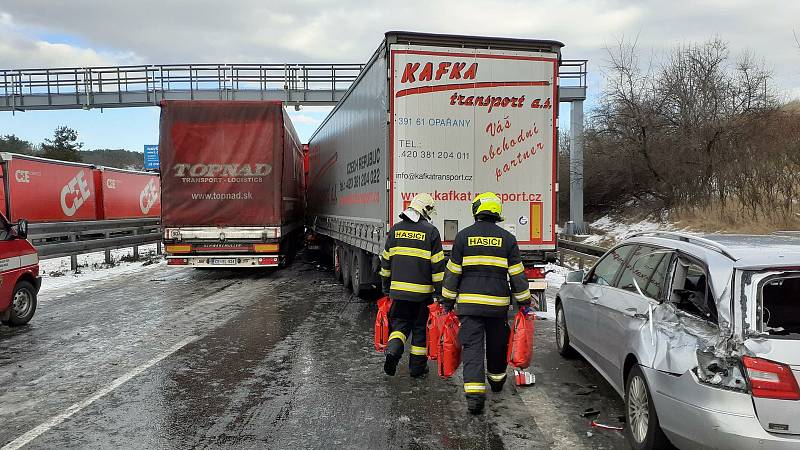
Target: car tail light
534,273
769,379
177,262
270,261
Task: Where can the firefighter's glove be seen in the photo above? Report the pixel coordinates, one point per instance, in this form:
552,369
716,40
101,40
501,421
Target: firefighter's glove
448,306
526,309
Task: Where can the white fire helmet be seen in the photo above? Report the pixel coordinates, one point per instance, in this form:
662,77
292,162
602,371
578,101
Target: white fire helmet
423,203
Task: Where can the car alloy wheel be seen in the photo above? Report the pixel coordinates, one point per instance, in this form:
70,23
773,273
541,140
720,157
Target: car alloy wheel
560,328
638,409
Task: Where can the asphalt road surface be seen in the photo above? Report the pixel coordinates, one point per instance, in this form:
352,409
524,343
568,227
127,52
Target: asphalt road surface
180,358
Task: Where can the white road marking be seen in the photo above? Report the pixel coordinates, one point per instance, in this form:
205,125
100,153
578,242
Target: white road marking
26,438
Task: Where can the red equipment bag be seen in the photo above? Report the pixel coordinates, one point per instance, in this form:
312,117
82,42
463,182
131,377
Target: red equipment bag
382,324
520,342
436,317
449,357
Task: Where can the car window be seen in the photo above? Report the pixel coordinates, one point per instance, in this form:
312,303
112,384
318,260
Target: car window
629,272
606,269
692,293
655,287
648,267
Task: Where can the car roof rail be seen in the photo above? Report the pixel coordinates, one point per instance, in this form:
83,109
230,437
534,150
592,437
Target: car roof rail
685,237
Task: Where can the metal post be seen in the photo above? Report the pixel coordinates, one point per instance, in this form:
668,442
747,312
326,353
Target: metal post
108,253
73,259
135,247
576,167
158,248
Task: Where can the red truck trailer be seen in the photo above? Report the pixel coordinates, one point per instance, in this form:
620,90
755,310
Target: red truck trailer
44,190
127,194
232,183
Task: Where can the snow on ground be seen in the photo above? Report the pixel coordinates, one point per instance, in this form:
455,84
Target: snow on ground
608,229
57,278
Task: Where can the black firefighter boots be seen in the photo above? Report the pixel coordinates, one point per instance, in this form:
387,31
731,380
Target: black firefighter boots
390,366
417,371
475,403
497,386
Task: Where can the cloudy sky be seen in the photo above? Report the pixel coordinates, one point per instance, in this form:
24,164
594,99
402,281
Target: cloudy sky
55,33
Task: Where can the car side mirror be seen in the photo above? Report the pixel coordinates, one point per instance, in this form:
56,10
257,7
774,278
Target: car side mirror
576,276
22,229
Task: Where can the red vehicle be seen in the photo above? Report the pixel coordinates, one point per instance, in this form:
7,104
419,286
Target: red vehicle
232,183
19,274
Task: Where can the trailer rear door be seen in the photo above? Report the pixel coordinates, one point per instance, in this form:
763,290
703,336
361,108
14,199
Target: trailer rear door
466,121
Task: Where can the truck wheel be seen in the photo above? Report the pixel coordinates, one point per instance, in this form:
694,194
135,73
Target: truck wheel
23,304
356,276
337,263
344,263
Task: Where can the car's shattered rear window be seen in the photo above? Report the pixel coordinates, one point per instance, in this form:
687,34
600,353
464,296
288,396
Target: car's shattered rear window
780,303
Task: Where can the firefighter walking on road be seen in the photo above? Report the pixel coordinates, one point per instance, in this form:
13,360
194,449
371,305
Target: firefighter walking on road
412,270
484,260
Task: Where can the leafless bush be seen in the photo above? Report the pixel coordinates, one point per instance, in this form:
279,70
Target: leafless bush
700,128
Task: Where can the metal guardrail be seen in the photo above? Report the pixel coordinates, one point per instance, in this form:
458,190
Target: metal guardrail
146,85
54,240
586,254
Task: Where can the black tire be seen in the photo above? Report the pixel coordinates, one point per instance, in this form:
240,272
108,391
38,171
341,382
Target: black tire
337,263
562,334
356,277
23,304
642,428
345,264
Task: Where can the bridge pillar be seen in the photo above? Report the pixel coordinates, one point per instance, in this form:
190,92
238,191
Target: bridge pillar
576,225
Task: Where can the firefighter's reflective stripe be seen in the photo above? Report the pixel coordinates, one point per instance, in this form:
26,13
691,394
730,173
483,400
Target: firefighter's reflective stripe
475,388
438,277
410,251
447,293
398,335
411,287
453,267
419,351
516,269
386,255
522,296
495,261
386,273
481,299
496,376
437,257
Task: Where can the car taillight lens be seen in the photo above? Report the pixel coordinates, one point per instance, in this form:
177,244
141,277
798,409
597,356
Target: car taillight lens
268,261
534,273
177,262
769,379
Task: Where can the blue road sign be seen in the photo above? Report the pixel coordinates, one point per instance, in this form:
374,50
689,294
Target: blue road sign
151,161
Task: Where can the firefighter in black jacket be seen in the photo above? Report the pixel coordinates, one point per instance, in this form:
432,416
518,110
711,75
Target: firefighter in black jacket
484,260
412,270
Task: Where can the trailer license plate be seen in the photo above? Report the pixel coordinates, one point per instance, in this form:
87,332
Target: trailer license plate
223,261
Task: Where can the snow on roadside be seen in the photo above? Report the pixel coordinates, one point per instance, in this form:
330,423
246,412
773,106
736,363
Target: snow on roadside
57,278
608,231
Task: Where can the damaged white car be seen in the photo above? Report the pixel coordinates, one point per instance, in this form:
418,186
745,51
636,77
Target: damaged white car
700,336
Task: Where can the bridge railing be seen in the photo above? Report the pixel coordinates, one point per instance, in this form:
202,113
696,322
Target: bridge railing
86,84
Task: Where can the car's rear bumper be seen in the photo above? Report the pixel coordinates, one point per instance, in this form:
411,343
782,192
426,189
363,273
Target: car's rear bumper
697,416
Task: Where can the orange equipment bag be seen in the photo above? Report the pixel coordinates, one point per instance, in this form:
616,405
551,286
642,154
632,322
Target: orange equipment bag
434,329
382,324
520,342
449,357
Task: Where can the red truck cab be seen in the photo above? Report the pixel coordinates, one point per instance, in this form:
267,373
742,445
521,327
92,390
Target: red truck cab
19,274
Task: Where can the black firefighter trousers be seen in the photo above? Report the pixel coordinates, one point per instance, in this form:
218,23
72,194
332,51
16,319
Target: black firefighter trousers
407,324
475,330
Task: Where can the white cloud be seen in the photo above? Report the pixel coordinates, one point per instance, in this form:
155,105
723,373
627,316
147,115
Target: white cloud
350,30
305,119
